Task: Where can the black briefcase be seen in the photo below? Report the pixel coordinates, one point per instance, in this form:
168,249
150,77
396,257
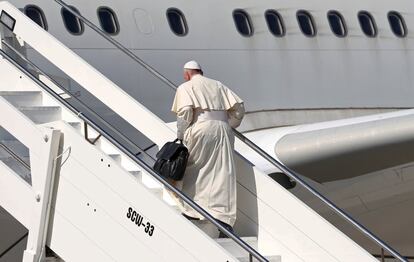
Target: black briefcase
172,160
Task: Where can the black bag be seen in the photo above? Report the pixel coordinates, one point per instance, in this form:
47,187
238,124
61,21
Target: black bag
172,160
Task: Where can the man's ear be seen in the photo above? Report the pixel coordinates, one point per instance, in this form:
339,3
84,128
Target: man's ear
187,75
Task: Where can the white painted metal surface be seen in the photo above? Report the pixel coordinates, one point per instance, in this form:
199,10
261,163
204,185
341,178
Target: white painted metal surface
291,72
94,192
34,211
88,77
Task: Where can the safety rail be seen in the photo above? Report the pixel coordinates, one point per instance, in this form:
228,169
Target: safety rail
118,45
292,174
252,252
15,156
64,91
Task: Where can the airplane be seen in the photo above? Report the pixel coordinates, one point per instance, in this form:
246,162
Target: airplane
327,86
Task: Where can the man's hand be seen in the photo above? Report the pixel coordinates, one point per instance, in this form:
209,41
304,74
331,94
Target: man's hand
172,182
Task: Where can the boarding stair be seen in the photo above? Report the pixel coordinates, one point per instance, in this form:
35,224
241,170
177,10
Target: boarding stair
87,197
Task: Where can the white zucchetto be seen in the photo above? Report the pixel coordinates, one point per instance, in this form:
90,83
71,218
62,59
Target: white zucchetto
192,65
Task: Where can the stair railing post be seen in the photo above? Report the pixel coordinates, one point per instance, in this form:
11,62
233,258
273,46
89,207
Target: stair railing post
11,39
43,170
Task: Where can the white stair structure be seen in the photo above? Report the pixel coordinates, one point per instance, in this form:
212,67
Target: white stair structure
93,202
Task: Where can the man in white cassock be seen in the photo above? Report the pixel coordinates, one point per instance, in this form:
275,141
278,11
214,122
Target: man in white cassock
206,112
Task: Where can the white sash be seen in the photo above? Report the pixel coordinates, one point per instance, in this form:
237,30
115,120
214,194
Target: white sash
213,115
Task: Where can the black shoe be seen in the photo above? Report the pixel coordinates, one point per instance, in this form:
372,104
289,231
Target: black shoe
189,218
226,226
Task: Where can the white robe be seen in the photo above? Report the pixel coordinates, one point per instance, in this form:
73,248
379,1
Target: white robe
210,177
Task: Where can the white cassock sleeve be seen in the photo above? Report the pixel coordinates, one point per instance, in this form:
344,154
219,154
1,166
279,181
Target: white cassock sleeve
184,120
236,114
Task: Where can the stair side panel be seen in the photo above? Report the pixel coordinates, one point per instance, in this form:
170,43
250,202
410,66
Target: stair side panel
16,196
88,176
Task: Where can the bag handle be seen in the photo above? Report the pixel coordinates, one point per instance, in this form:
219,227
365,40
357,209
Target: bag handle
181,141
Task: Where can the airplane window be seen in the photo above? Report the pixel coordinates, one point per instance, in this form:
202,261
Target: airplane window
177,22
275,23
367,24
37,15
108,20
306,23
397,24
72,23
337,23
242,22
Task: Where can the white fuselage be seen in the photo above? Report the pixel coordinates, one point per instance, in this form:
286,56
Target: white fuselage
294,72
304,79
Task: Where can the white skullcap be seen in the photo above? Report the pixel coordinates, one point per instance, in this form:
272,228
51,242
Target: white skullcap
192,65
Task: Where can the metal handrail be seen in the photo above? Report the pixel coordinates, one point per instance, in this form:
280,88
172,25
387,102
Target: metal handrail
35,67
140,162
15,156
146,149
118,45
292,174
244,139
383,256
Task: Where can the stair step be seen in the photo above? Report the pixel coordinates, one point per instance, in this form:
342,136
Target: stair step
116,157
176,208
169,198
76,125
42,114
241,254
129,165
157,191
16,146
136,174
232,247
23,98
80,128
150,181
